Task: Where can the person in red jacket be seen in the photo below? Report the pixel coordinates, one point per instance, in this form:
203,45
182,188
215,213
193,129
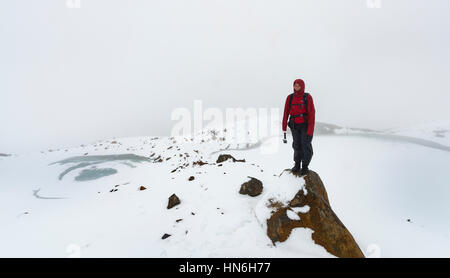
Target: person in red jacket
301,122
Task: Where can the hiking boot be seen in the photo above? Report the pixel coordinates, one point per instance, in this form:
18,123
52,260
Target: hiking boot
304,171
296,168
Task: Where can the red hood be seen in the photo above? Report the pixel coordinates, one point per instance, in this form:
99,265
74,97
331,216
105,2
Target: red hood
302,83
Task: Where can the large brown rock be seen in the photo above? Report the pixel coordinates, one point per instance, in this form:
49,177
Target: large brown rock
329,231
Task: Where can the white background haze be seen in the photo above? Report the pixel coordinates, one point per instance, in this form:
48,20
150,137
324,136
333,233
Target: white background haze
118,68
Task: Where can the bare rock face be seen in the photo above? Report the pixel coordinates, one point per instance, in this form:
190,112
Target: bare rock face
329,231
173,201
225,157
253,187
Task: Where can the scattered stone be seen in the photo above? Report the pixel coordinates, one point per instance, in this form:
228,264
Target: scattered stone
142,188
113,142
166,236
178,220
174,170
113,190
199,163
253,187
225,157
191,178
158,159
409,220
173,201
192,213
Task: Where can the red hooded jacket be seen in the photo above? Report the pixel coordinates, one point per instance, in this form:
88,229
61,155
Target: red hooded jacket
298,109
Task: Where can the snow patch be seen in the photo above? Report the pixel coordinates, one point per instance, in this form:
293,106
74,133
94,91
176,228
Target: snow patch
292,215
303,209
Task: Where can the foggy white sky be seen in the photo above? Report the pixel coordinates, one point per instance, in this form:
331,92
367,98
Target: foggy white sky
118,68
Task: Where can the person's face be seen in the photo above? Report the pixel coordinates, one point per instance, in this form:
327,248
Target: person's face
297,87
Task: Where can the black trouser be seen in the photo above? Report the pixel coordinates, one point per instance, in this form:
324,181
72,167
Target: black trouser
301,144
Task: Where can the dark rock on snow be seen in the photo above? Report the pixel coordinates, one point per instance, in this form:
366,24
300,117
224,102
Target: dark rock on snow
173,201
253,187
225,157
165,236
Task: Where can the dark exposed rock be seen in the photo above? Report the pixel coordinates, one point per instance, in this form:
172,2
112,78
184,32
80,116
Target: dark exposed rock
253,187
329,231
142,188
199,163
225,157
191,178
158,159
173,201
174,170
165,236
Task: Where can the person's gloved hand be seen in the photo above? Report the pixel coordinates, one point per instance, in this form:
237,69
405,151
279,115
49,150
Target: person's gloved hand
309,138
284,140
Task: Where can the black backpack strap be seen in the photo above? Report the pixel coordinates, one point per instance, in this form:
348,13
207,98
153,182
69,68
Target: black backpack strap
290,102
305,98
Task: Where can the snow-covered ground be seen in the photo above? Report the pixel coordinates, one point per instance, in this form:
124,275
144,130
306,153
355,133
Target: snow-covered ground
393,196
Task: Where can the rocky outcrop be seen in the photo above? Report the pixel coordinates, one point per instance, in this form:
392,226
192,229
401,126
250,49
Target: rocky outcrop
329,231
253,187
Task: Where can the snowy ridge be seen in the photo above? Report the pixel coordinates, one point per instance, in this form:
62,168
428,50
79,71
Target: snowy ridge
86,201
